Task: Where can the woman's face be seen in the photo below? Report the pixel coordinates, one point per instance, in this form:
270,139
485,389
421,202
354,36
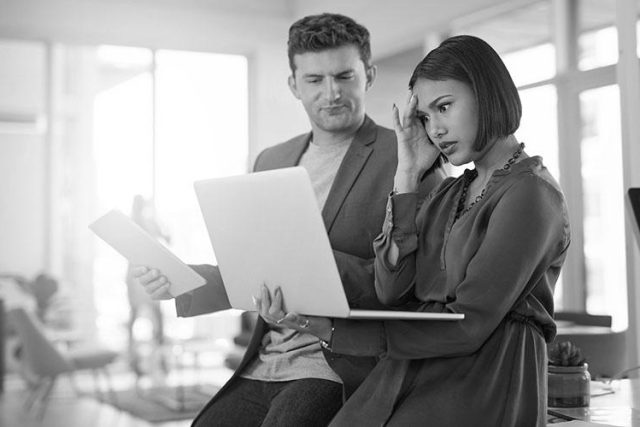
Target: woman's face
449,112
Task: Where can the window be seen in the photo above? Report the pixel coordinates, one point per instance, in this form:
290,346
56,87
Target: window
597,39
162,120
594,276
604,249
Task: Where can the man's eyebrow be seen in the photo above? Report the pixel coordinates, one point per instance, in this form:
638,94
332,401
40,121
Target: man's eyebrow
339,73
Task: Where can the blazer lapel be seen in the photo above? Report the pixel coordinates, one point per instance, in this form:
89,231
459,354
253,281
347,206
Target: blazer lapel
352,164
292,156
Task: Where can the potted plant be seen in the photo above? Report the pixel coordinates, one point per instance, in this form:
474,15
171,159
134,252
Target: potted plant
568,377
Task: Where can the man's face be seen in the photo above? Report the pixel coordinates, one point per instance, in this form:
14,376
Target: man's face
331,85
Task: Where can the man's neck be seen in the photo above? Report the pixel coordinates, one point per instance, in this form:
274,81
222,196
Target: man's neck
324,138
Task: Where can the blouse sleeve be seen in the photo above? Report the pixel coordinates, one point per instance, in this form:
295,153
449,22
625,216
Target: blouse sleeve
394,283
527,233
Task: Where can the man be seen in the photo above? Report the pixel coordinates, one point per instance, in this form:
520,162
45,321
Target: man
285,377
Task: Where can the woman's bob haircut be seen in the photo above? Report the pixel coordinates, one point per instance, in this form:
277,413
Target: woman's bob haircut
471,60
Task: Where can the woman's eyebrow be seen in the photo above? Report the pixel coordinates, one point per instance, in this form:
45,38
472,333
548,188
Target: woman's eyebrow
433,103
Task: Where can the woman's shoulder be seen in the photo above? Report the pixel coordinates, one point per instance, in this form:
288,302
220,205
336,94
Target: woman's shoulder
531,184
531,174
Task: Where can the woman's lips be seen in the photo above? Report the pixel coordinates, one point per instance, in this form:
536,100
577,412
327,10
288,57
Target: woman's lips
447,147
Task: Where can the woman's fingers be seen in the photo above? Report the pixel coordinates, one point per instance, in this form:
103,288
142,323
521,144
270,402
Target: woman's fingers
395,119
409,111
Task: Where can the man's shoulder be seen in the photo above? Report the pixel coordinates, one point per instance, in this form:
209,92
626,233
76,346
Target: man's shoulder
385,136
283,154
291,144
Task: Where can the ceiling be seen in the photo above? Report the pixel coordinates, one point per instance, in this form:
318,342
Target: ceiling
400,25
394,25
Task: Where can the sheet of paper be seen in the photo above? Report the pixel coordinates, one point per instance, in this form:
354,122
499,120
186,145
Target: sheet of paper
139,247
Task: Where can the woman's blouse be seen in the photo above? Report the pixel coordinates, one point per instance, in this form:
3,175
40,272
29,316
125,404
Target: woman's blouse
497,264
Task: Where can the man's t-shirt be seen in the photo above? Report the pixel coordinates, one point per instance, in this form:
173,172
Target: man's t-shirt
285,354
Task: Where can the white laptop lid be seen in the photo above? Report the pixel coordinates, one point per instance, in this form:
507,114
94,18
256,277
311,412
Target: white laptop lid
266,228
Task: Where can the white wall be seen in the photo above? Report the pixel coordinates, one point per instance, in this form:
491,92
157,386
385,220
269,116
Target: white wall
22,159
391,84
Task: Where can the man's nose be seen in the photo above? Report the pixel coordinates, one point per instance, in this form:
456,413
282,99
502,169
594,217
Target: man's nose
332,90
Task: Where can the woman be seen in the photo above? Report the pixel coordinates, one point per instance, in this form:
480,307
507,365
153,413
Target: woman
488,244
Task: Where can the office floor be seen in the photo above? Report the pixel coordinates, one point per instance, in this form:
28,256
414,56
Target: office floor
68,408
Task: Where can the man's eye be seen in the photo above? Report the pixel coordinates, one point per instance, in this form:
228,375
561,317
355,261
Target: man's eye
313,81
346,77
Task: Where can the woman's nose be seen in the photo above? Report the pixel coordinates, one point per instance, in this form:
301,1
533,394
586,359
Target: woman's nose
436,130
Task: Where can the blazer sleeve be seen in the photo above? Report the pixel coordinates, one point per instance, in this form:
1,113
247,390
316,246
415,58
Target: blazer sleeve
357,277
209,298
527,232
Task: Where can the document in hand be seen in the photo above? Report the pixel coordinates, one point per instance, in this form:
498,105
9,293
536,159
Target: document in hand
266,228
139,247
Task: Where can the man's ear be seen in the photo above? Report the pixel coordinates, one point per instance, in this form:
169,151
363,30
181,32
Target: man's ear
372,71
292,86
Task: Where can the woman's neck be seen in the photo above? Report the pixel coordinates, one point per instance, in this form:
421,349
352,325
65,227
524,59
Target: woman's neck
498,154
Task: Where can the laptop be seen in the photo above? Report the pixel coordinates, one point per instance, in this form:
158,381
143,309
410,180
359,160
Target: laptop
633,204
266,228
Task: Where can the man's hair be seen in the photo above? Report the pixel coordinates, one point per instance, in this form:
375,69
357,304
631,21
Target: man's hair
471,60
316,33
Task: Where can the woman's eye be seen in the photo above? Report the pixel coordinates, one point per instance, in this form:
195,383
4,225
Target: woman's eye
423,120
444,107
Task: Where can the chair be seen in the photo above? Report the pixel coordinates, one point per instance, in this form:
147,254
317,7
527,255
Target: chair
604,349
43,362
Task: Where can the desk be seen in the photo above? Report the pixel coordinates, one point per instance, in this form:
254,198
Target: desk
617,405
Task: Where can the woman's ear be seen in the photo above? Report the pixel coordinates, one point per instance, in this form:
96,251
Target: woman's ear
371,76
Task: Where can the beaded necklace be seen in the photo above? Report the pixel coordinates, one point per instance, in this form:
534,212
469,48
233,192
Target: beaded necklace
461,210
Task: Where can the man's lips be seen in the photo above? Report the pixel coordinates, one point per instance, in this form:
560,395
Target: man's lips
333,108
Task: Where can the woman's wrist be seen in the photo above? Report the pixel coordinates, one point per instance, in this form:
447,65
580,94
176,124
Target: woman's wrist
326,340
405,181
